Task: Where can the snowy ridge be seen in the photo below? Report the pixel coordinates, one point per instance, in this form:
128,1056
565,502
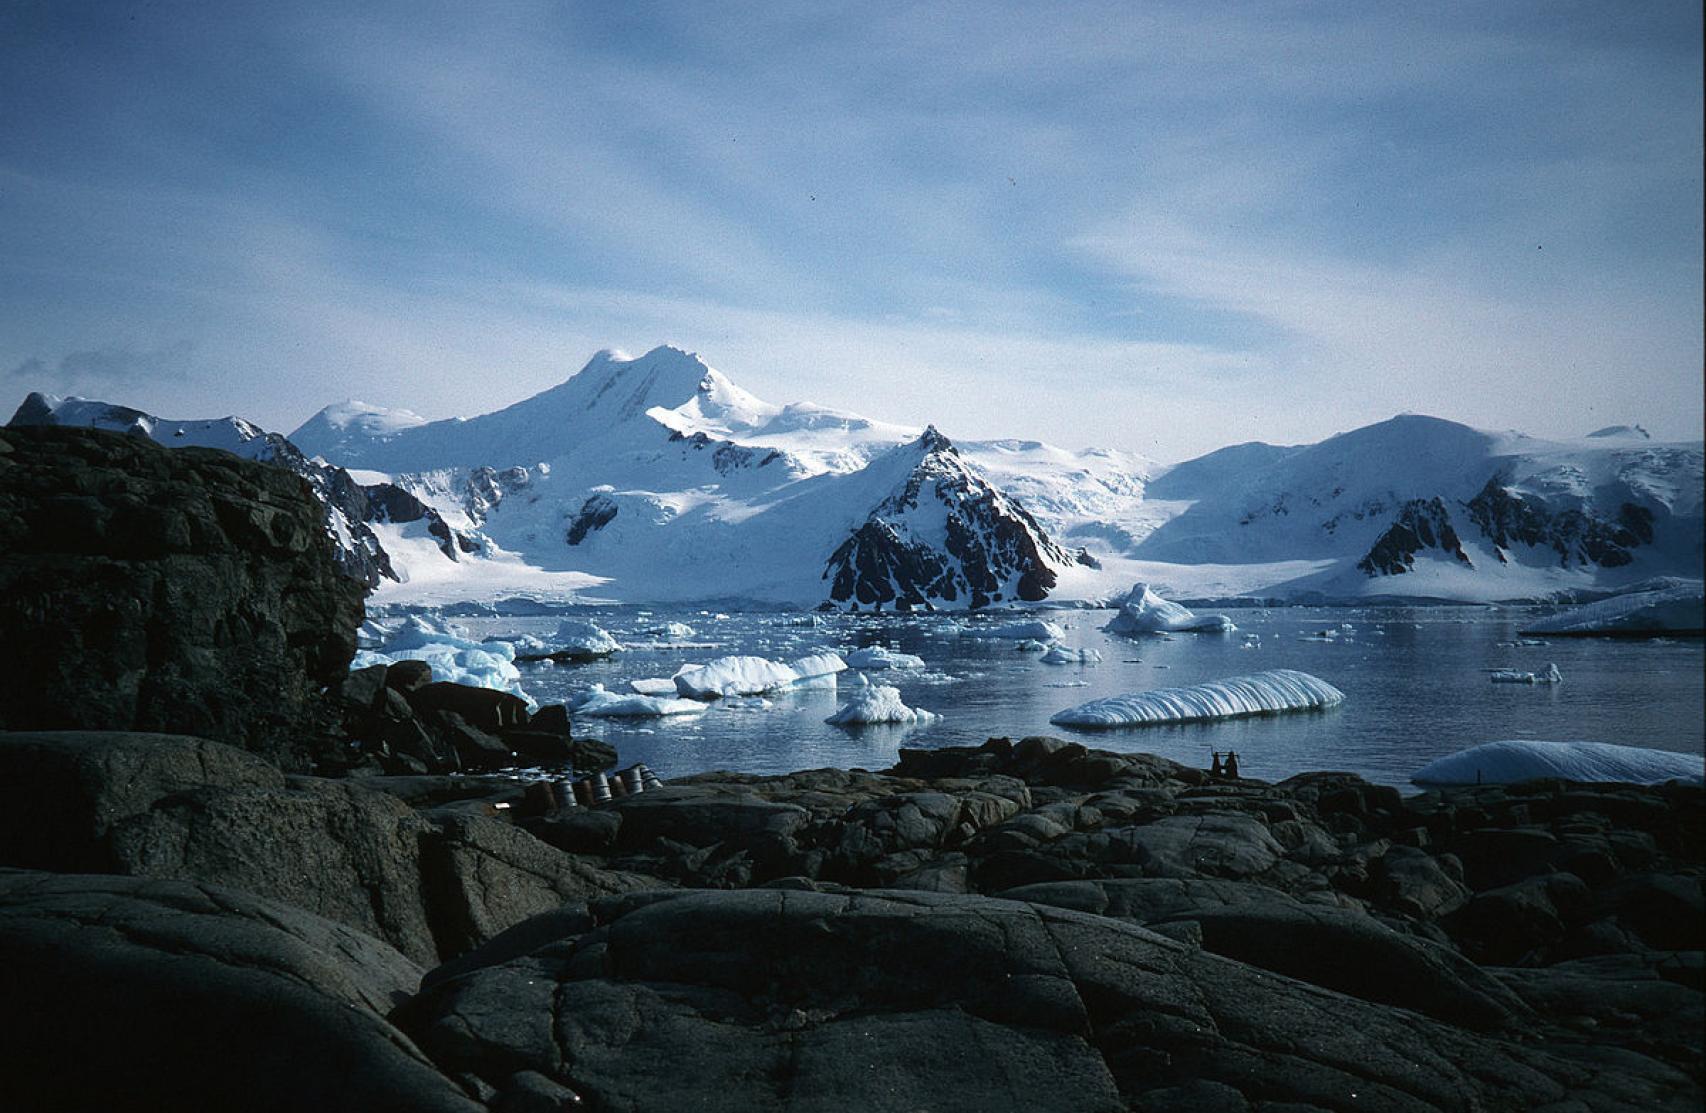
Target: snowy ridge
1511,762
1262,693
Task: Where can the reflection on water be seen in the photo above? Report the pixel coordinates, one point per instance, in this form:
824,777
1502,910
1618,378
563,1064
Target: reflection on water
1415,682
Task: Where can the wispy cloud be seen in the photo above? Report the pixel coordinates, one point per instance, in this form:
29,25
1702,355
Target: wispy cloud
116,365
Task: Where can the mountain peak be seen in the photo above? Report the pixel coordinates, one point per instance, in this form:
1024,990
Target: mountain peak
932,440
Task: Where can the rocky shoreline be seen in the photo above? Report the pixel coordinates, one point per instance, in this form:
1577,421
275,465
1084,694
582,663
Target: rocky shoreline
235,875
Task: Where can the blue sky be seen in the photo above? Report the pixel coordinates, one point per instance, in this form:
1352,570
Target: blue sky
1153,227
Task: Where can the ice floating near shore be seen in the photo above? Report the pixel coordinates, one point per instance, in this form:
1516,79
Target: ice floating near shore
1509,762
1060,655
451,653
654,685
879,703
1036,630
1144,612
1262,693
881,657
1679,607
1551,675
670,631
748,676
601,703
581,638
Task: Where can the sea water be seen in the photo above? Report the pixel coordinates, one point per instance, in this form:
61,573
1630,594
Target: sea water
1415,681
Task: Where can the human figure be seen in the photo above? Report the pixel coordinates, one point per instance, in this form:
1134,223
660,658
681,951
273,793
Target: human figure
1232,764
1215,770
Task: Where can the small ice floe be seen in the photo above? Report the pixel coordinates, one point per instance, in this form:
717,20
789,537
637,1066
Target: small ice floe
452,654
1039,630
1032,645
670,632
1262,693
748,676
654,685
879,703
1060,655
1144,612
1527,759
881,657
1521,642
600,703
1551,675
1069,684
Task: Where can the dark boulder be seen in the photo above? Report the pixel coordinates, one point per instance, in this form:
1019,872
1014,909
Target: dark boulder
187,591
127,994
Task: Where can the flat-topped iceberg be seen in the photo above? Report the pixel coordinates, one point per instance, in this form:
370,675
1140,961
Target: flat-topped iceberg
1550,675
1677,608
1144,612
881,657
1529,759
601,703
749,676
879,703
1262,693
1032,630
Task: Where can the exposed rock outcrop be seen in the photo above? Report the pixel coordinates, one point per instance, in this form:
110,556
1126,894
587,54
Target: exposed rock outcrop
146,589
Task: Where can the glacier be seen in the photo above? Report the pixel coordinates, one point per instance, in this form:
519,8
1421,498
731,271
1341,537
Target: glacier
1262,693
1527,759
1144,612
1674,608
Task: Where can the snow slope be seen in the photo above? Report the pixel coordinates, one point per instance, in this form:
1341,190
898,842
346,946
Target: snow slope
658,479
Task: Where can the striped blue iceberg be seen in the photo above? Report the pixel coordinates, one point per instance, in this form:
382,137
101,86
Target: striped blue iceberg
1262,693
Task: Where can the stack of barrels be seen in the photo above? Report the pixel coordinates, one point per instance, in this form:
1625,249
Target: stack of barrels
600,788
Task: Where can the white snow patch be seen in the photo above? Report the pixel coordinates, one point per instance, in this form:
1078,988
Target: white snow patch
1508,762
1262,693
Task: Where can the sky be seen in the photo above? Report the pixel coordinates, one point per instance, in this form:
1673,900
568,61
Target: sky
1161,228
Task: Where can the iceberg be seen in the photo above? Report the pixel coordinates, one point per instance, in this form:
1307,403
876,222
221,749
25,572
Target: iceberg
671,631
1060,655
1262,693
1513,676
749,676
1144,612
1035,630
601,703
1676,608
451,653
579,638
881,657
654,686
1526,759
879,703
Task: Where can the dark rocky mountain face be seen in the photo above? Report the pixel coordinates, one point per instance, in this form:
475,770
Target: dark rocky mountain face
1507,519
993,550
147,589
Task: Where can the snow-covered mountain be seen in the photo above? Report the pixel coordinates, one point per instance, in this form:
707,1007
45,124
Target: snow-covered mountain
1417,506
657,479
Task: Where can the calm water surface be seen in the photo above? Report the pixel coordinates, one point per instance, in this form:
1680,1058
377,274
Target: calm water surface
1415,684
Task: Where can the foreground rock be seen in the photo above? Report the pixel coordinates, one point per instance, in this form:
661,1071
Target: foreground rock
431,883
147,589
125,994
793,999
